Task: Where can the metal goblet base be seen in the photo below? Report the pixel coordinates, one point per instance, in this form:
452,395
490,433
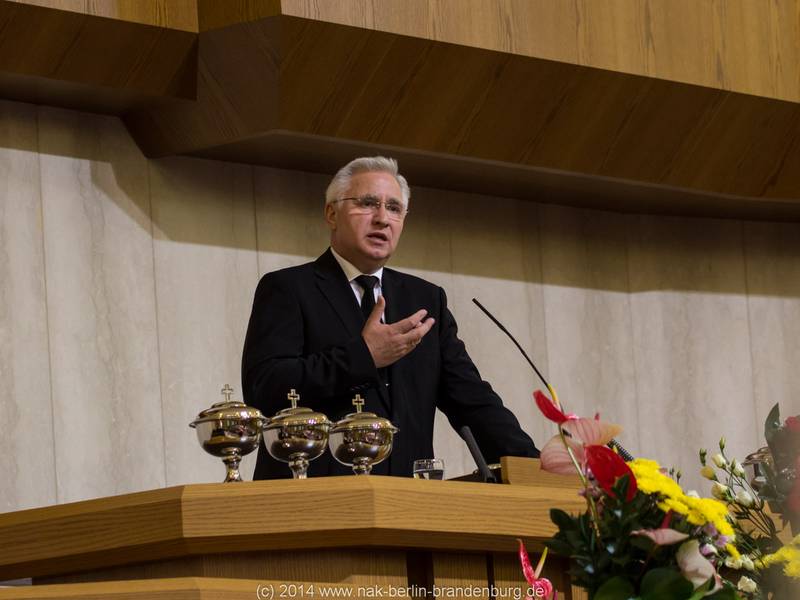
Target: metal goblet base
298,463
232,461
362,465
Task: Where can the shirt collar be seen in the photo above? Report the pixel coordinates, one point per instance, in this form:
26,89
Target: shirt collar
350,271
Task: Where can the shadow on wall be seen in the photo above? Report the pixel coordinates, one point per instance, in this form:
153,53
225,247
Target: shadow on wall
445,231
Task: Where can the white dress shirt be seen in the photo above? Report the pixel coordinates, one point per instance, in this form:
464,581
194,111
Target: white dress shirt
351,272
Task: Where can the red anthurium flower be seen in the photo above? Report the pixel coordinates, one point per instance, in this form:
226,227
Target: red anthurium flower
607,466
538,587
550,410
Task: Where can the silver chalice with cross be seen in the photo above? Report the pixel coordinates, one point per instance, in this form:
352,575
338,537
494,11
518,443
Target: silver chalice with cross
296,436
362,439
229,430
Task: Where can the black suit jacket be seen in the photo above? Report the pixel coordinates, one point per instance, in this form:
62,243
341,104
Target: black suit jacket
305,333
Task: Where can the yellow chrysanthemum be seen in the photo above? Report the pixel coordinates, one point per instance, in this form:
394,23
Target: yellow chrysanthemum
790,555
698,511
733,551
650,480
709,510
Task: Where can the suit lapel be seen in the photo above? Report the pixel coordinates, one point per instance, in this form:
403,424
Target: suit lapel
392,289
333,284
337,291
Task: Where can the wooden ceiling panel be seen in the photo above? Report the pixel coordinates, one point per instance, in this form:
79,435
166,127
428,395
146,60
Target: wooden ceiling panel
254,78
126,60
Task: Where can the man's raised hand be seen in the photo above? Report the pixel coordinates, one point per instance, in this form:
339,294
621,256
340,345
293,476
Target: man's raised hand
389,343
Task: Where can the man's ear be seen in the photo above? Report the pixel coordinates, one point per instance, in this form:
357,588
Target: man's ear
330,215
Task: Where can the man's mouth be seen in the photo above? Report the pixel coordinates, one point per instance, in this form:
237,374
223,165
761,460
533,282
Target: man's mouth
377,235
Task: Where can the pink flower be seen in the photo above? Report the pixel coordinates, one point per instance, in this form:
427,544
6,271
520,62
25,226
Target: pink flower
556,459
584,432
550,410
694,566
792,424
592,432
538,587
662,537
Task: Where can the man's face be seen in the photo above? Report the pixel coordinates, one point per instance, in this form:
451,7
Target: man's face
366,239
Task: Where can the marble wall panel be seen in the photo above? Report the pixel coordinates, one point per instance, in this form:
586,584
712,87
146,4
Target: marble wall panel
587,315
127,286
289,216
101,307
27,453
205,274
425,251
772,252
691,339
495,258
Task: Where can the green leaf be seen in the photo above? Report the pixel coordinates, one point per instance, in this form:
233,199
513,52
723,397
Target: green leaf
559,546
726,593
562,520
773,423
616,588
665,584
702,590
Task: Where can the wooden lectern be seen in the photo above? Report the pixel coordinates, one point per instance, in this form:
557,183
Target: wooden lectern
337,537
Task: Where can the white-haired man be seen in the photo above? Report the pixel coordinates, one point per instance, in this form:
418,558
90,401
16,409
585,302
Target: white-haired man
344,324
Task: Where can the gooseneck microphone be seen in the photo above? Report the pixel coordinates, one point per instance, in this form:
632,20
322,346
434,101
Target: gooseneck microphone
486,474
614,444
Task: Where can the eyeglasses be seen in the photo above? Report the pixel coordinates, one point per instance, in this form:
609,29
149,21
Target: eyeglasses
365,205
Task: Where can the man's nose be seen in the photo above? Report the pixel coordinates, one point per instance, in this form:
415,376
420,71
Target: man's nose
381,215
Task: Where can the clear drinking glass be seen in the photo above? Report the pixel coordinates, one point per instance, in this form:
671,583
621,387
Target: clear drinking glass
429,468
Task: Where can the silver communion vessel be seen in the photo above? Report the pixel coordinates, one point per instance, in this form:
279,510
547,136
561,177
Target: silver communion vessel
362,439
296,436
229,430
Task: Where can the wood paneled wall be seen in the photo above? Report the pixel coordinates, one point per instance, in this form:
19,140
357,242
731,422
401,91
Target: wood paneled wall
737,45
171,14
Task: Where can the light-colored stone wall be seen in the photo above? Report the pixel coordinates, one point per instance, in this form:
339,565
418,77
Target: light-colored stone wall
126,283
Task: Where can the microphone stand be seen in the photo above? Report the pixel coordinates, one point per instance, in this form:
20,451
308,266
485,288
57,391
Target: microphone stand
613,444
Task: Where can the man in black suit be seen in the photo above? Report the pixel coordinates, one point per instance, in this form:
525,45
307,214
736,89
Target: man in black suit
329,332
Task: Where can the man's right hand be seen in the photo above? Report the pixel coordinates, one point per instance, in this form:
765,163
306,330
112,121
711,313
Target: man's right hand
389,343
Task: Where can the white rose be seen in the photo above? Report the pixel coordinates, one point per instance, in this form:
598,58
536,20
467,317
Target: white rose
746,585
708,473
737,468
692,494
747,563
743,498
720,461
720,491
733,563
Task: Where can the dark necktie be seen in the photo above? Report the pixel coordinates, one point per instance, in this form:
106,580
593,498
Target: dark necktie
367,283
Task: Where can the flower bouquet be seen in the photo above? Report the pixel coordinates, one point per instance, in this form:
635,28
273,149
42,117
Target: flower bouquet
641,536
782,473
766,567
